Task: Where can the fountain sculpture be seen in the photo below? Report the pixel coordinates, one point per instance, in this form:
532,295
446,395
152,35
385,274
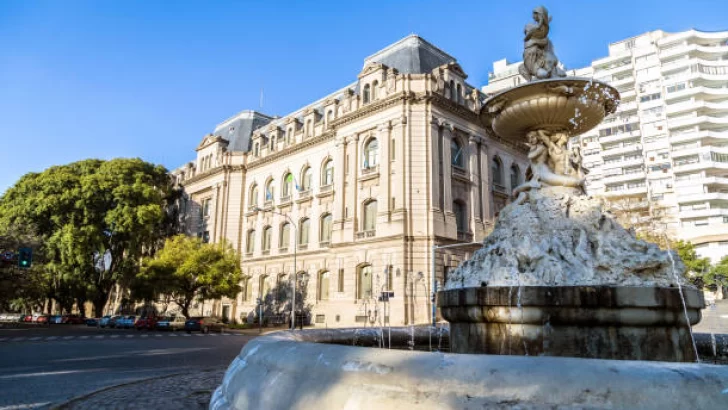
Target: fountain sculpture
557,277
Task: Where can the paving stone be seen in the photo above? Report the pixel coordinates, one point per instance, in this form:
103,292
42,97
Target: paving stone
190,391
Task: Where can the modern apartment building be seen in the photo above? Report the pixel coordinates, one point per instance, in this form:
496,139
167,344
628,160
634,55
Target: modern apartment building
662,158
350,192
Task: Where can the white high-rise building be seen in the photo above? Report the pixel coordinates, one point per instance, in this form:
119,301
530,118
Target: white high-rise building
662,158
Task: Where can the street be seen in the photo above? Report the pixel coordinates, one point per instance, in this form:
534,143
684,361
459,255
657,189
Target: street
49,365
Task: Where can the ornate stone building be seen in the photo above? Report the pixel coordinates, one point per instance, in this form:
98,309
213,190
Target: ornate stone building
359,186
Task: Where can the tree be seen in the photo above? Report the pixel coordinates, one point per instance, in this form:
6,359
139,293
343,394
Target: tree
90,208
717,277
186,269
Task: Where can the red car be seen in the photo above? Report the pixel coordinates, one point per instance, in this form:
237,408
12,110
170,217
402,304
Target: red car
41,319
73,319
147,323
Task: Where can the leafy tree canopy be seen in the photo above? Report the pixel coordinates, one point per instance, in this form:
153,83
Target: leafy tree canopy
186,268
90,208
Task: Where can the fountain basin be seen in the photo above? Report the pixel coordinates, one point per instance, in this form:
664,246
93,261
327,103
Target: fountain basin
573,105
299,370
600,322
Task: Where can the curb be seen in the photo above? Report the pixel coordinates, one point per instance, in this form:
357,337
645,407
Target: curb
66,404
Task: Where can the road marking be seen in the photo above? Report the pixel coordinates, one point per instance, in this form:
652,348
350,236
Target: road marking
17,339
172,335
187,335
99,337
114,336
51,338
212,334
199,334
35,338
157,335
143,335
84,337
68,337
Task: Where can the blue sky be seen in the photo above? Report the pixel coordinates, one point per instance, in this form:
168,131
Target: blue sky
103,79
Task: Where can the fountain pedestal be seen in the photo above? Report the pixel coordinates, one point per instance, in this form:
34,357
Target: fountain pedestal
602,322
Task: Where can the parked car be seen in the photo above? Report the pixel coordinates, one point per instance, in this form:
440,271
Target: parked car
204,324
172,323
127,322
146,322
104,321
42,319
28,318
56,319
74,319
92,321
114,321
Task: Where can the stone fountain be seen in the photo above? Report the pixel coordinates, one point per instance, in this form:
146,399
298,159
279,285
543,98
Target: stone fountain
557,277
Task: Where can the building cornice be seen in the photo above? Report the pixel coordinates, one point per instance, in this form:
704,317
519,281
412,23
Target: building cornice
212,172
258,162
371,108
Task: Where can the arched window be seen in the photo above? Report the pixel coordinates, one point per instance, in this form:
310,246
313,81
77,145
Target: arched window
267,234
256,149
309,128
326,228
515,176
365,94
250,241
289,135
285,239
270,191
461,217
323,285
496,169
327,176
253,200
456,153
364,282
371,150
370,216
375,85
273,143
459,95
281,287
263,286
306,179
247,291
287,188
303,231
329,116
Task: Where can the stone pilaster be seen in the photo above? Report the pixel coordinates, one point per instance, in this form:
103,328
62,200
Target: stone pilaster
474,206
384,194
485,193
435,181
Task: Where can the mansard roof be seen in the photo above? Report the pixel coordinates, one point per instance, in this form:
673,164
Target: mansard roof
411,55
238,129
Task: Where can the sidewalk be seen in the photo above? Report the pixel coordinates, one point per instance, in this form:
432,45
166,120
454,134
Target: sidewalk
191,391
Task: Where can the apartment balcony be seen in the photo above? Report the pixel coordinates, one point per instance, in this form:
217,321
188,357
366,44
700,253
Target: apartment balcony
629,94
699,90
612,71
630,206
699,135
366,234
611,59
325,190
703,213
702,197
623,163
303,195
700,165
702,181
622,82
627,107
620,137
697,120
622,150
285,200
611,179
696,105
639,191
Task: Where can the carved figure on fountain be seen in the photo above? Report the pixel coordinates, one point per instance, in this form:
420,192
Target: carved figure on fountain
539,59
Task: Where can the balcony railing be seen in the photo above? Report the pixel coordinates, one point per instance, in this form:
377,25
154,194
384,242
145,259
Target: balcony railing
302,246
326,188
266,251
304,194
253,208
456,170
283,249
268,203
285,199
500,188
370,170
324,244
366,234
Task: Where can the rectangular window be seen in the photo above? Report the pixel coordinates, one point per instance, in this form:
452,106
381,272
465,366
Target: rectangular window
340,283
206,208
206,237
650,97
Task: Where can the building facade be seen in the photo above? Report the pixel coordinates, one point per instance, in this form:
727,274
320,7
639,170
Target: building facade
356,187
662,158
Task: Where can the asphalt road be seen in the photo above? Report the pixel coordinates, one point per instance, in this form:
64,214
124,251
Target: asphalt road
46,366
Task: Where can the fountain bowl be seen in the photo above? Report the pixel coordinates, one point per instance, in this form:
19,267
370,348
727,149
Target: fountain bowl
573,105
599,322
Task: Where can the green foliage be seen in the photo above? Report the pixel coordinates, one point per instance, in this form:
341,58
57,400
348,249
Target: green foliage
89,208
718,275
186,268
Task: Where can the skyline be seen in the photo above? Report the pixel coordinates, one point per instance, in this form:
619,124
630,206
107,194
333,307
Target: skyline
144,80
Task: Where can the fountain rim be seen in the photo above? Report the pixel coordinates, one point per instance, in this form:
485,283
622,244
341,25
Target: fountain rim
488,101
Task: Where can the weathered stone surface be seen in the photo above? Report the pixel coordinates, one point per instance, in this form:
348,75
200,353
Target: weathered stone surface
605,322
279,372
556,237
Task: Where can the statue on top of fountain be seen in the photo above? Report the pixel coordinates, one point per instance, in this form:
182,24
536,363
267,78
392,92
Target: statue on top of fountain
539,60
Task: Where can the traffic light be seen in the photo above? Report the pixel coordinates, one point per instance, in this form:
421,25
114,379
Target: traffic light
25,257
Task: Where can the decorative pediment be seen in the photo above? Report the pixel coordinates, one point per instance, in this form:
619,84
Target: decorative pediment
331,101
456,69
293,120
210,139
372,67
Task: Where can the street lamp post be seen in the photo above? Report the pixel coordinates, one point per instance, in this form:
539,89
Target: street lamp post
433,290
295,268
